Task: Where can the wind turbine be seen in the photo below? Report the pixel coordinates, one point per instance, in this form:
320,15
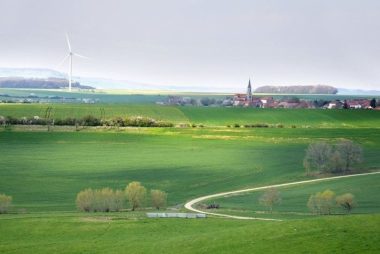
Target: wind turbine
70,56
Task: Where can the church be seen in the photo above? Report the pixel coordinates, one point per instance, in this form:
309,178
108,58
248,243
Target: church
246,100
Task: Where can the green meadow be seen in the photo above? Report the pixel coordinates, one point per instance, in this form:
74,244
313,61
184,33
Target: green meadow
209,116
66,233
43,171
294,198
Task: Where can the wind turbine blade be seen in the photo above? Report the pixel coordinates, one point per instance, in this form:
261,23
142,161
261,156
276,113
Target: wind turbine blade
68,41
81,56
63,60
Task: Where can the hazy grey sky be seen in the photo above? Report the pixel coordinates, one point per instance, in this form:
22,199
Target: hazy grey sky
200,43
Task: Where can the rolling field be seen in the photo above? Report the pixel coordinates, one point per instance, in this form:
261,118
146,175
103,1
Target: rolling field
209,116
43,171
65,233
294,198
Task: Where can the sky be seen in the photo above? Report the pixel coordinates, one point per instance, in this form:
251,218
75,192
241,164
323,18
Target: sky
199,43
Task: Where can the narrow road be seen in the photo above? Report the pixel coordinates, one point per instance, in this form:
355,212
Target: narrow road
189,205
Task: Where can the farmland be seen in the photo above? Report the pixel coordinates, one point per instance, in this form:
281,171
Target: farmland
43,171
67,233
216,116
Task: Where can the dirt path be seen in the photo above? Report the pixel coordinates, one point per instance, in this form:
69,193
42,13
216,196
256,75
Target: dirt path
189,205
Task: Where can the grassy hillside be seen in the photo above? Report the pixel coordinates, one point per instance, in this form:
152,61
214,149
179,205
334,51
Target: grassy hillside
63,233
44,170
294,198
209,116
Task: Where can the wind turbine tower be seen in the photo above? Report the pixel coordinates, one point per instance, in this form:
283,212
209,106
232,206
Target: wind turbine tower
70,56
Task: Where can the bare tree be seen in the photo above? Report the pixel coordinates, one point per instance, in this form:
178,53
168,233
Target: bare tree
317,157
270,198
350,153
158,198
346,201
5,202
135,194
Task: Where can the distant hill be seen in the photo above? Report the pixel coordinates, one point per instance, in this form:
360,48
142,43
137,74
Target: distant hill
49,83
99,83
317,89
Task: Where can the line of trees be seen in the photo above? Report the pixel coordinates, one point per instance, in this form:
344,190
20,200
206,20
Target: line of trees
5,203
108,200
324,202
88,120
339,158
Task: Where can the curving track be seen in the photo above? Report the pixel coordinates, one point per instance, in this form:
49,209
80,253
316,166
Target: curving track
189,205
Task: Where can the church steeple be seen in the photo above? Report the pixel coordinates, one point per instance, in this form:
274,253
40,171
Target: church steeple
249,91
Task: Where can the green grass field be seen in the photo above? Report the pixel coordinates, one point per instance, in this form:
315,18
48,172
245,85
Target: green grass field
66,233
294,198
43,171
209,116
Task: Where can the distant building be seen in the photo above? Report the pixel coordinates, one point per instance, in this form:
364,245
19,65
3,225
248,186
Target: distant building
249,91
245,100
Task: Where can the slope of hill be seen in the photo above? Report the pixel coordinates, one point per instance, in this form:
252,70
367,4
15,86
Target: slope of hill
33,83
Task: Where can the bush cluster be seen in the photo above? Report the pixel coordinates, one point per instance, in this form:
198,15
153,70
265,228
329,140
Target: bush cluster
10,120
323,203
88,120
256,125
108,200
103,200
322,157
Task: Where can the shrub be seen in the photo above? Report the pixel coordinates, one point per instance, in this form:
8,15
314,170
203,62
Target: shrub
103,200
119,200
236,125
145,122
346,201
183,125
324,158
163,124
350,154
139,121
91,120
293,126
67,121
135,194
118,121
11,120
86,200
280,126
270,198
5,203
256,125
317,157
158,198
321,202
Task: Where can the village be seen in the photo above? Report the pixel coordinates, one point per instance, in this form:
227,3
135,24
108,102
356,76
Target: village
249,99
